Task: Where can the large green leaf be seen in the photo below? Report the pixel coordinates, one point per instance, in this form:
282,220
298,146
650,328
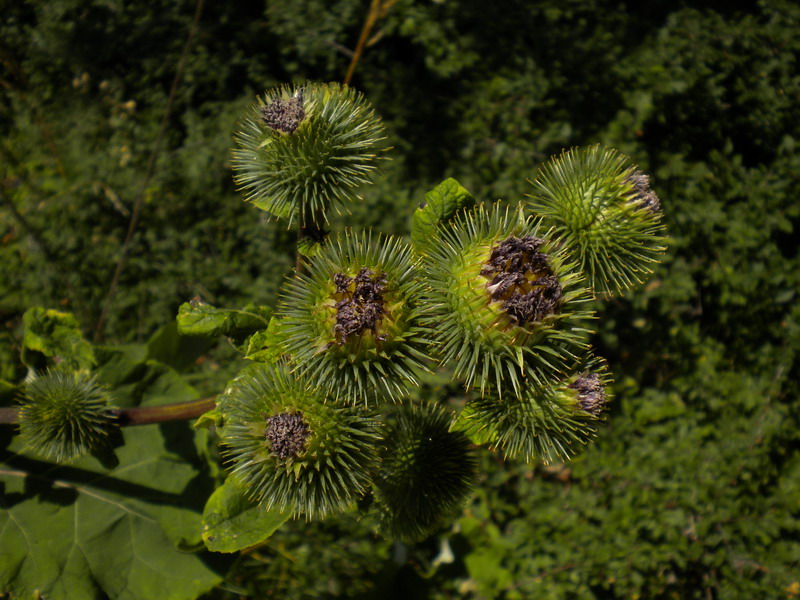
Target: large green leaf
53,334
232,522
83,531
196,318
268,344
441,204
178,351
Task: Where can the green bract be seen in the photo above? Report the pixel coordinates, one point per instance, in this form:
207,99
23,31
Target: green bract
604,211
506,302
290,450
65,415
548,423
426,472
304,149
352,322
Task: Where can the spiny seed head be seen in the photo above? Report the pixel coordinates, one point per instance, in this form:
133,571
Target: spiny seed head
301,151
353,321
547,423
287,434
605,214
290,449
506,303
65,415
426,472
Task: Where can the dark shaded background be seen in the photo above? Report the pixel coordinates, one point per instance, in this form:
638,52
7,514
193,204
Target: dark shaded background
693,488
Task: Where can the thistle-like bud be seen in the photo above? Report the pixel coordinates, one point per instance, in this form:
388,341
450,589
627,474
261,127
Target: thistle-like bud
352,323
426,473
590,391
507,305
302,150
604,211
65,415
548,423
291,450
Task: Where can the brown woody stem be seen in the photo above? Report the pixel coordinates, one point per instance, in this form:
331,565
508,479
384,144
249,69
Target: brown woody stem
141,415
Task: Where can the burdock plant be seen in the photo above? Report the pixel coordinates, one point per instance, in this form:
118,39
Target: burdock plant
604,211
330,416
550,422
426,474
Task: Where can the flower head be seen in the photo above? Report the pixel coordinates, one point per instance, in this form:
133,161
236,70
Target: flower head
426,472
284,115
304,149
291,450
603,210
507,305
65,415
545,422
353,322
591,393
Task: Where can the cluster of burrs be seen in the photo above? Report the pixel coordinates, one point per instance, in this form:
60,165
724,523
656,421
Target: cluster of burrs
496,294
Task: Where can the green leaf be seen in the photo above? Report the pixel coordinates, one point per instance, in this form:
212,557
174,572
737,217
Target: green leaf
168,346
86,532
485,567
267,345
196,318
441,204
53,334
281,212
119,364
232,522
211,419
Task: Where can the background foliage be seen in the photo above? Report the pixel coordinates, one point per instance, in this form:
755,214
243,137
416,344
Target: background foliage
693,488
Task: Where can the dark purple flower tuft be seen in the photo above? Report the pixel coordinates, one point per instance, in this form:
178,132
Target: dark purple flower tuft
521,279
361,306
591,395
643,195
287,433
284,115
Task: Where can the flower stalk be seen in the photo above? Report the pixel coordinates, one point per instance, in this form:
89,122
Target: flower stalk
139,415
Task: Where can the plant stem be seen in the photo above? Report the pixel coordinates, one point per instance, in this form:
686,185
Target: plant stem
140,415
178,411
312,230
372,18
